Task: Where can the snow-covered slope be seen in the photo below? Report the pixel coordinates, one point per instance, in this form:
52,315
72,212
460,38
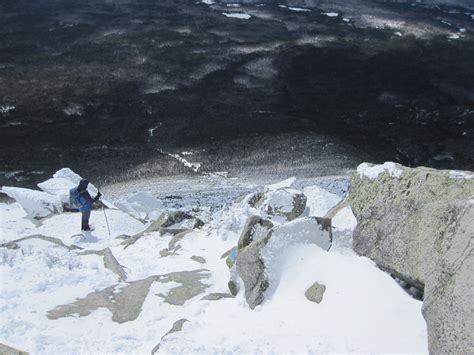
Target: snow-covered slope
57,298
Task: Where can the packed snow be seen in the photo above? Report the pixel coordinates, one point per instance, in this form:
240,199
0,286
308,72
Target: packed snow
373,171
44,282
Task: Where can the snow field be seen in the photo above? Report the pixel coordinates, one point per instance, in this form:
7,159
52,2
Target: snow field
363,309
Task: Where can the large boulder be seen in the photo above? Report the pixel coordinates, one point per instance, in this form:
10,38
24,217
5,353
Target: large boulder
59,187
37,204
418,224
259,258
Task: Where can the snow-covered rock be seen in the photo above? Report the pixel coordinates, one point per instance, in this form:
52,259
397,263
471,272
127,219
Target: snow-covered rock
259,259
284,202
37,204
59,182
60,298
372,171
59,187
319,201
418,224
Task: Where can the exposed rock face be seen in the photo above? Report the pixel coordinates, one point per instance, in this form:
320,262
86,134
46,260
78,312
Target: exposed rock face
315,293
418,224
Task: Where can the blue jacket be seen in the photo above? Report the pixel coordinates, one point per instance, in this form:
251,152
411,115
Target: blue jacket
85,198
86,201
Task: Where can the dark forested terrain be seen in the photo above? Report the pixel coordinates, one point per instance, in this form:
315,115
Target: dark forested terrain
110,82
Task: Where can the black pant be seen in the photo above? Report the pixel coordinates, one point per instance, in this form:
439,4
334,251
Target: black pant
85,220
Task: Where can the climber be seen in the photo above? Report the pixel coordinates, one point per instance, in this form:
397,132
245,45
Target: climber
85,202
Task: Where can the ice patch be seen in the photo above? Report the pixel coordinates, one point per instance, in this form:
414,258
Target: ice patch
373,171
238,15
331,14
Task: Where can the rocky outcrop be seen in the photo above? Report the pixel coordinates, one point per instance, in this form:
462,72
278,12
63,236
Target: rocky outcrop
258,259
284,202
418,224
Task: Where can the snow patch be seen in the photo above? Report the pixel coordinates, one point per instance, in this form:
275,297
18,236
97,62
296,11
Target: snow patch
319,200
455,174
331,14
193,166
6,108
299,9
238,15
373,171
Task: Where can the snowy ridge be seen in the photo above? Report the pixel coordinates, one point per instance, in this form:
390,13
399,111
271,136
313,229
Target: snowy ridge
45,285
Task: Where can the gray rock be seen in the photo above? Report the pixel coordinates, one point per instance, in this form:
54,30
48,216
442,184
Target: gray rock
250,266
233,288
420,228
255,199
125,300
198,259
177,327
284,202
8,350
125,303
165,252
216,296
315,293
255,228
251,270
191,285
14,244
169,219
176,238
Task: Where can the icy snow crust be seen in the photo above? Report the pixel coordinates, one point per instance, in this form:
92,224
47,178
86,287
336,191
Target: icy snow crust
363,309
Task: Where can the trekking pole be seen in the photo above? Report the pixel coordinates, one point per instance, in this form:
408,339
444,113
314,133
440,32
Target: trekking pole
106,220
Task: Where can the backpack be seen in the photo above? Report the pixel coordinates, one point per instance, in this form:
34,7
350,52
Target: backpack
74,199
